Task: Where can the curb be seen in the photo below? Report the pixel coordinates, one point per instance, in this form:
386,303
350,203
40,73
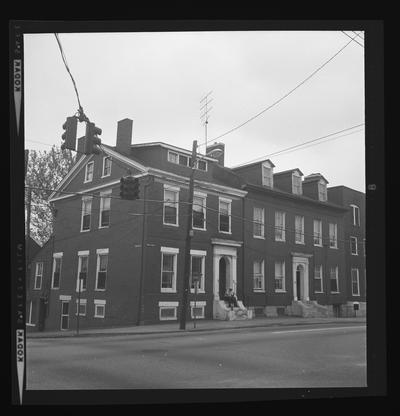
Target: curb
179,331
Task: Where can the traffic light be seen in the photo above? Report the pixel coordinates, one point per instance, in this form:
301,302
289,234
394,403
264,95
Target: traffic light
129,188
92,141
69,136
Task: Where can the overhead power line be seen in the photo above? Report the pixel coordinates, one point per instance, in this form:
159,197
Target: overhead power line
297,146
284,96
69,72
353,38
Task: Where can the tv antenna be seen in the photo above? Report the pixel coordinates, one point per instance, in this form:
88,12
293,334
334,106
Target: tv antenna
204,103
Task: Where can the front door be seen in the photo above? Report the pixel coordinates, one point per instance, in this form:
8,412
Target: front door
222,278
298,283
64,315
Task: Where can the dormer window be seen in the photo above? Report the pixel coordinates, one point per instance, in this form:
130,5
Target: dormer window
322,191
183,160
296,183
267,175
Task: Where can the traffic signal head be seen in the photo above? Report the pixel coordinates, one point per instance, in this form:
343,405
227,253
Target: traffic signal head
129,188
69,136
92,141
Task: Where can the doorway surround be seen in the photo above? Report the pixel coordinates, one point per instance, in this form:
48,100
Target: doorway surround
301,279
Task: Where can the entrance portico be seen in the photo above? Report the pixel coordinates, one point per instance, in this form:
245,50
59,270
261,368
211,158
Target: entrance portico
301,283
224,266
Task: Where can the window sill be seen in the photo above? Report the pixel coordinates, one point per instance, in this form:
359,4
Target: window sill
354,254
334,293
302,243
101,317
259,237
28,324
85,231
280,241
100,290
105,176
199,229
318,245
259,290
199,292
335,248
319,293
171,225
55,288
280,291
225,232
168,291
104,226
91,180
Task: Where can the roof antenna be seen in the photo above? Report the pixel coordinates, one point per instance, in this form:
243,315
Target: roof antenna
205,116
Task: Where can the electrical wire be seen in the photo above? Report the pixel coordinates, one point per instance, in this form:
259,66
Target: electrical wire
283,97
69,72
358,34
352,38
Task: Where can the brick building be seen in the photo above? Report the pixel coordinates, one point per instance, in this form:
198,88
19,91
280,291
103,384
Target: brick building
97,260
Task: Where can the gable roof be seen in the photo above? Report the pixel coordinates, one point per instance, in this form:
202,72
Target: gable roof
239,167
289,171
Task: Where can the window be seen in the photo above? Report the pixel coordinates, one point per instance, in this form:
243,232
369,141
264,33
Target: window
267,176
356,215
171,205
30,314
83,262
81,307
99,308
258,276
322,191
334,279
258,222
168,269
279,226
299,229
365,246
197,309
102,264
64,315
105,202
202,165
173,157
183,160
197,266
279,276
332,235
89,172
57,260
353,246
168,310
318,287
199,212
355,282
38,276
225,215
107,166
86,213
318,233
296,184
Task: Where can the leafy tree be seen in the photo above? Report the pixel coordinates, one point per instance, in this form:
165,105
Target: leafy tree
45,171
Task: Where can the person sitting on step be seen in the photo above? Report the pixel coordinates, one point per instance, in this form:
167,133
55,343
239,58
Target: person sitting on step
231,299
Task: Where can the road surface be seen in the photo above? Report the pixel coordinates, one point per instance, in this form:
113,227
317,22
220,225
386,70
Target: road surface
331,355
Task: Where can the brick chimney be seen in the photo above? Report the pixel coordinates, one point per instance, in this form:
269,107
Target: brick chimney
217,151
124,136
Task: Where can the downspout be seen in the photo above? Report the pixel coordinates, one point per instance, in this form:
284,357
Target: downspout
243,253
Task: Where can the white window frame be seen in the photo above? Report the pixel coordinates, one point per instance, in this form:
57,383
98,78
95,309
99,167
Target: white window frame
322,191
29,322
168,305
103,196
175,190
173,252
358,282
352,238
283,277
299,232
267,180
100,252
333,240
204,206
199,305
103,175
86,180
336,278
297,190
317,233
84,200
229,202
35,287
81,254
200,254
261,223
83,302
319,267
101,303
56,256
197,165
260,276
175,154
354,208
280,227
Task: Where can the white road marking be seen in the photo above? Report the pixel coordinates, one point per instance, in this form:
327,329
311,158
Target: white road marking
314,329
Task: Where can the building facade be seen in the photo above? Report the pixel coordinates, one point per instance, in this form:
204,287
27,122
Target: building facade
114,262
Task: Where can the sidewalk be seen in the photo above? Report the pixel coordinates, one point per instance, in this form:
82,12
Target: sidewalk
201,325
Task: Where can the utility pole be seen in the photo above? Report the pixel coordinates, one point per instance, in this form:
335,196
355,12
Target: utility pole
142,263
189,235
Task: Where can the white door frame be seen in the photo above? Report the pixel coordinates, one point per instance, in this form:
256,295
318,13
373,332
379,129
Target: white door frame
304,288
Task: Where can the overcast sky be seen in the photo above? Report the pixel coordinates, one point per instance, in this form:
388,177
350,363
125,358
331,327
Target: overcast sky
158,79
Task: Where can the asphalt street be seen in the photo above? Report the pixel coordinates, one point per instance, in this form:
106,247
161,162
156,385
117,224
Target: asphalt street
330,355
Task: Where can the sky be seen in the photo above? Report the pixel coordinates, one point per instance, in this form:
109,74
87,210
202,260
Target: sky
158,79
